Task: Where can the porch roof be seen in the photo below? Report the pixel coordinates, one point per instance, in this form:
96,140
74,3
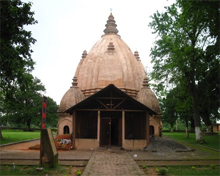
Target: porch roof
111,92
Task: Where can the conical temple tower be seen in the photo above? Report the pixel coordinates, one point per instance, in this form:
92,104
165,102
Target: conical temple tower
110,102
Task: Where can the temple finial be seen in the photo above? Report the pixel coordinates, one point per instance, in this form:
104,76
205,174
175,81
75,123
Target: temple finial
111,47
145,83
84,54
111,26
74,83
136,54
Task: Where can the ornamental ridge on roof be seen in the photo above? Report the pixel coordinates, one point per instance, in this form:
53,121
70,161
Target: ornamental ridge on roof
111,26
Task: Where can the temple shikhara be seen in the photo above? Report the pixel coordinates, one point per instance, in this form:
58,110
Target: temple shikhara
110,102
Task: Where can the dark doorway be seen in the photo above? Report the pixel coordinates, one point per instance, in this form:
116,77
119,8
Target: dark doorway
105,135
110,131
66,130
114,131
151,131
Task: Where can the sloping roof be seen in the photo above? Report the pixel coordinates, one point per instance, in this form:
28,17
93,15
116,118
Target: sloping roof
110,91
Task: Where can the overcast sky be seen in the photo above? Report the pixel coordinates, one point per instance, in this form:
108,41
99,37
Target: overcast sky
66,28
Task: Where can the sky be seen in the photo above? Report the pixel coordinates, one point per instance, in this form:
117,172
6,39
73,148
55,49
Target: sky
66,28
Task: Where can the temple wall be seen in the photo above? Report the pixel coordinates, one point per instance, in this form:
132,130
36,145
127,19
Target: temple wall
63,120
133,144
85,144
216,127
156,123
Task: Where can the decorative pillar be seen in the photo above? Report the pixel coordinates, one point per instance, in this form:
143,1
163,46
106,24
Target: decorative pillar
147,129
98,130
123,128
74,131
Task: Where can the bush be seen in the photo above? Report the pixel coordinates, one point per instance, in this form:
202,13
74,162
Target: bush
78,173
193,167
213,166
161,171
144,167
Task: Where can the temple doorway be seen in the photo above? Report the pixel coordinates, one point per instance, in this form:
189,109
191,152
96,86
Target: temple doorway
151,131
110,131
66,130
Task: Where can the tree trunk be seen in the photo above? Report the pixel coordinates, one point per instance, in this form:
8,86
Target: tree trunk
197,123
171,129
194,93
1,133
187,130
176,125
207,121
192,125
198,134
28,125
196,116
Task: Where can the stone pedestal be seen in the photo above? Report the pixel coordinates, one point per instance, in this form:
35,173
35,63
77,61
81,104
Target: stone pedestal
48,152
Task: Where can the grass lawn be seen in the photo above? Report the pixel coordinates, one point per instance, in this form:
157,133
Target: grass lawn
182,170
10,136
31,170
211,141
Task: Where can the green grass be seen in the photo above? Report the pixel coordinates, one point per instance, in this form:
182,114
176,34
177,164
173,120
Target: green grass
191,170
211,141
10,136
183,170
31,170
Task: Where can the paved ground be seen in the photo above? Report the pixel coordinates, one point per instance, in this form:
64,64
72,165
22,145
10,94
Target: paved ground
112,162
109,161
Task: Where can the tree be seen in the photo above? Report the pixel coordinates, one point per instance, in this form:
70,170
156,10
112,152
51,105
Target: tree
26,105
180,54
15,43
168,108
51,114
52,117
208,86
184,106
176,105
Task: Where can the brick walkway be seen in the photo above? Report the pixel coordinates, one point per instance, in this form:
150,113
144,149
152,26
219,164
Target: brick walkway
111,162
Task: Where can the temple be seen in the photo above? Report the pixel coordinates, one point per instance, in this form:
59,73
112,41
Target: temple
110,102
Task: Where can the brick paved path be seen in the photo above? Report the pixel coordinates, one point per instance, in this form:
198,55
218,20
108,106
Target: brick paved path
111,162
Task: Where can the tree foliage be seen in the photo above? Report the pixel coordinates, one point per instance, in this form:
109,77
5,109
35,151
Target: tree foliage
15,41
186,53
20,92
26,109
176,105
26,105
52,117
168,107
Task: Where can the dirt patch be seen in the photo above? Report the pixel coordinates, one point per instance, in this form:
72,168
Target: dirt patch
149,170
165,145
